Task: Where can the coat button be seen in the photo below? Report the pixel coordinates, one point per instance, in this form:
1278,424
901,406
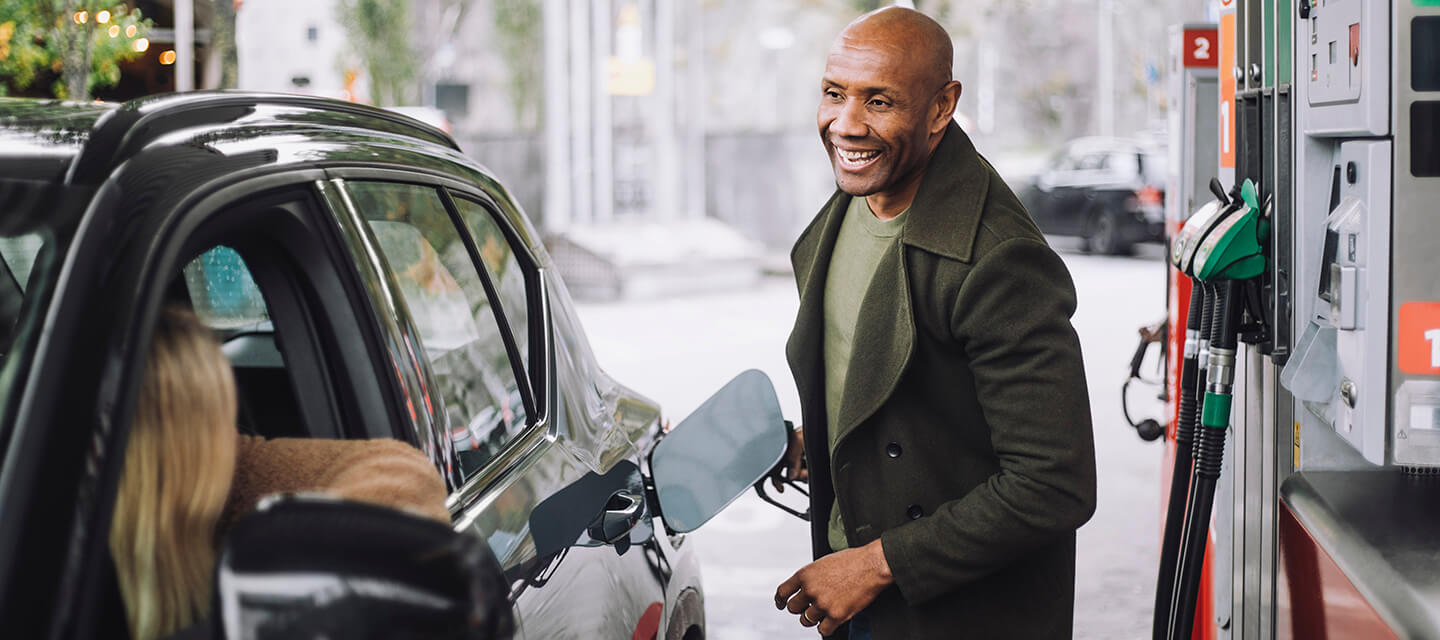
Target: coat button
914,512
893,450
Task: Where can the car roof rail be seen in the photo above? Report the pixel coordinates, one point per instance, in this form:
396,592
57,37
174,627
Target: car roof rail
121,133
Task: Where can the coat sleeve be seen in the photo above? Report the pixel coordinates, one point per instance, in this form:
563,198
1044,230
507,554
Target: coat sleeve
385,472
1012,321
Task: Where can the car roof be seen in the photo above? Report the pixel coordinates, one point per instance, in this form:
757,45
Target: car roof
1093,144
45,145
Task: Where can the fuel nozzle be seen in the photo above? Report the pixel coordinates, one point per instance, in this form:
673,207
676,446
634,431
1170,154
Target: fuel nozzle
1224,254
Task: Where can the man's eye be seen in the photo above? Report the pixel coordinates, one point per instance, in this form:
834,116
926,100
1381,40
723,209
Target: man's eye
879,103
832,94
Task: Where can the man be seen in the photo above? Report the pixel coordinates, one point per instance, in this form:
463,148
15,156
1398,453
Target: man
946,423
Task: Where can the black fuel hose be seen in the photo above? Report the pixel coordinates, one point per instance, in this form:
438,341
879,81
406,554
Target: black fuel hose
1208,314
1209,456
1180,471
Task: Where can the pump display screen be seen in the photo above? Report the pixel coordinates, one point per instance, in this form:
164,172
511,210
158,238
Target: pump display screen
1425,139
1425,53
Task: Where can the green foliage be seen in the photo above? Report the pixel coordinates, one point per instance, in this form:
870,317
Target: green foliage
22,52
224,43
518,29
379,35
52,38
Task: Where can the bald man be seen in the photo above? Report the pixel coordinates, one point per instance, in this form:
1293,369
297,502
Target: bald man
947,436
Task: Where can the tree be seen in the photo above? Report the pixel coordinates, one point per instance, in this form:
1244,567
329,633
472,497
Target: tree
22,45
83,41
518,30
224,43
379,36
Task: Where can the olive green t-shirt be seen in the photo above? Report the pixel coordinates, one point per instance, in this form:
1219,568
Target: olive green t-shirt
863,239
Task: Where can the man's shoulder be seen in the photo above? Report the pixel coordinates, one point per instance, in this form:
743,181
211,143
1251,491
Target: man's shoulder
1003,218
998,218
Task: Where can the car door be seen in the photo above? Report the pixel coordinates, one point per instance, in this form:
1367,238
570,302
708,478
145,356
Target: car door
472,298
253,257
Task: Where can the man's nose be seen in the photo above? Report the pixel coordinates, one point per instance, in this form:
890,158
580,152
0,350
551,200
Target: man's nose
850,122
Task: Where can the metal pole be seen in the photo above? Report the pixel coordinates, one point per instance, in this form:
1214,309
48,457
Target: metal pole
184,45
582,90
1105,109
695,118
666,206
555,213
602,20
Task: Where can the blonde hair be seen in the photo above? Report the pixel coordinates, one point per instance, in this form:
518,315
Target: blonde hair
179,464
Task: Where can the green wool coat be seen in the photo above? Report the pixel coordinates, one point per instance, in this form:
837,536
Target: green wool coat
965,442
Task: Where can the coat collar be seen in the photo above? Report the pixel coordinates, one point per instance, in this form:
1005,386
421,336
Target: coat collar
943,219
945,215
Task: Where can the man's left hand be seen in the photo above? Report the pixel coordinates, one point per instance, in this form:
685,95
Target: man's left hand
831,590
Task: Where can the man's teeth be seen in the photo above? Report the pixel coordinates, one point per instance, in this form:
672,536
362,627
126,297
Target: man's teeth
857,156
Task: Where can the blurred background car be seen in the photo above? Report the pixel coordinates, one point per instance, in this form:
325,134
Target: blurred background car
1110,192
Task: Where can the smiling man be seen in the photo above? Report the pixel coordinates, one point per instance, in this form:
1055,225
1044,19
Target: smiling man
947,434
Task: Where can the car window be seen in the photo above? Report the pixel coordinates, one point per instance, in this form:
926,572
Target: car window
1155,166
19,254
1125,164
1091,161
504,269
19,257
224,296
222,290
1063,161
458,325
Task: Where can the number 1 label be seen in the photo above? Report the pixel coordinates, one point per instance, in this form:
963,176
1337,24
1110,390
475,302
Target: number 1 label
1418,345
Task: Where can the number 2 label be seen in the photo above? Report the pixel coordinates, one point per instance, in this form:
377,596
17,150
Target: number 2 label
1202,48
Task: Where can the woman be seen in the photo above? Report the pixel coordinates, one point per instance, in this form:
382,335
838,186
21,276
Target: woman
188,474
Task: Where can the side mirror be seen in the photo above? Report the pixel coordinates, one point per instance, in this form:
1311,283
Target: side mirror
717,453
308,566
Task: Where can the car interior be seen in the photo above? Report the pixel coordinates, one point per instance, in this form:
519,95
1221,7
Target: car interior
219,288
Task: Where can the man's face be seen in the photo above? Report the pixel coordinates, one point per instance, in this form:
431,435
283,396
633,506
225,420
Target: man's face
874,115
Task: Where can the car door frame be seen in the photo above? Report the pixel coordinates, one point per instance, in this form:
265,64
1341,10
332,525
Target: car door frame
68,602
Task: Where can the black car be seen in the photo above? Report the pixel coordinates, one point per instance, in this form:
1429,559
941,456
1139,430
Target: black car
1108,191
368,280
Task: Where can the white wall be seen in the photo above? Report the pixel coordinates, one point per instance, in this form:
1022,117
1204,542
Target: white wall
272,41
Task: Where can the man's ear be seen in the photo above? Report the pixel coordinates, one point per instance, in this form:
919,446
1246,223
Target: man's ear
945,102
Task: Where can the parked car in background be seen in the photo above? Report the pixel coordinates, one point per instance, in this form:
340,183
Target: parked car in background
366,280
1108,191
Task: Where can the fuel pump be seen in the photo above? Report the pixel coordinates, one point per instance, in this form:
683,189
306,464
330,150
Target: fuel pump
1324,517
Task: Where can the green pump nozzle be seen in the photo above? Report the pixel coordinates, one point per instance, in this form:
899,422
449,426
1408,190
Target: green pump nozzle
1233,249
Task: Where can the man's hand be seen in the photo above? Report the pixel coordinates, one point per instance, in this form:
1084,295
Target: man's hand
792,466
831,590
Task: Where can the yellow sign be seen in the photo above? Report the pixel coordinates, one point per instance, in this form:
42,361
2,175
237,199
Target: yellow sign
631,77
1295,463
